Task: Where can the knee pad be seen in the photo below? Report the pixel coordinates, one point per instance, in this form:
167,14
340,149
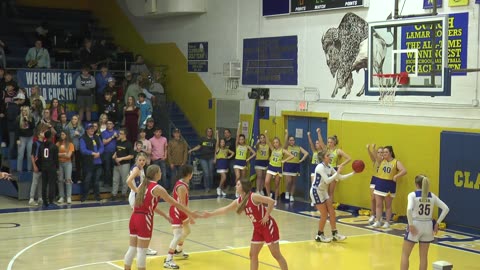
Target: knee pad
177,235
141,257
186,231
129,255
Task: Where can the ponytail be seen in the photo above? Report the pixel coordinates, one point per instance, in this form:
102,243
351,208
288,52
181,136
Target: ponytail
247,188
422,182
152,171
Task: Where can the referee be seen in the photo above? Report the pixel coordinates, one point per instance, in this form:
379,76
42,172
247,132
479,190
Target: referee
48,167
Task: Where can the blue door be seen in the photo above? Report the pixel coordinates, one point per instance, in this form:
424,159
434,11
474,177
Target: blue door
298,127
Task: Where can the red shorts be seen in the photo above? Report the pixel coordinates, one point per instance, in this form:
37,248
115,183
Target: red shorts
267,233
141,225
177,216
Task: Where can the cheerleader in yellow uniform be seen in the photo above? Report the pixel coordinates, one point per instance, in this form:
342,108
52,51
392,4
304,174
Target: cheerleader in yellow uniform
241,154
222,156
291,169
261,162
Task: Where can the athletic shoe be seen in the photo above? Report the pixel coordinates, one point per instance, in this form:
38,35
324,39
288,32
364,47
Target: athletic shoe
339,237
219,191
61,200
292,199
180,254
69,200
224,194
386,225
170,265
287,196
322,238
151,252
371,220
32,202
377,224
40,201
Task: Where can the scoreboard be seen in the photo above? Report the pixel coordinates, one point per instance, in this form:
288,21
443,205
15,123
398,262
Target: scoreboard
297,6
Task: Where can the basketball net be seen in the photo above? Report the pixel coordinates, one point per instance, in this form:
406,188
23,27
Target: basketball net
387,86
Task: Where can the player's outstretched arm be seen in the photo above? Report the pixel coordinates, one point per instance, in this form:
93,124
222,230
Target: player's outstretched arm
160,192
222,210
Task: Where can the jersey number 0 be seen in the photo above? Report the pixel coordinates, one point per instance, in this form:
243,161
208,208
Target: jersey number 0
45,153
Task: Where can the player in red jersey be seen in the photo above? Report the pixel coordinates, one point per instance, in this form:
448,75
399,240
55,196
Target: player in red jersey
265,229
180,221
141,221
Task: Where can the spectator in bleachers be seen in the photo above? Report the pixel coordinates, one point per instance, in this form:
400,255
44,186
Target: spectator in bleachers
160,154
37,109
101,78
36,187
102,51
66,149
9,80
127,81
109,107
102,123
76,131
150,128
134,89
139,67
38,57
63,123
27,100
109,137
13,111
56,110
37,94
2,78
131,116
88,56
24,128
3,58
123,156
96,130
85,84
91,147
177,154
139,149
47,121
146,144
7,97
145,109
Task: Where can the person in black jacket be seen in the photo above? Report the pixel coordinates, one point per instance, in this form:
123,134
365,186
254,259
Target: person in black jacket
48,167
91,148
13,111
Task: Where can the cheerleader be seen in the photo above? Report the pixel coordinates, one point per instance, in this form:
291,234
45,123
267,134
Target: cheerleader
291,169
421,227
241,159
275,164
317,147
376,155
265,229
222,156
261,162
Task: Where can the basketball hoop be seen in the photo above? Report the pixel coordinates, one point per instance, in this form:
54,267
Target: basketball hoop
388,84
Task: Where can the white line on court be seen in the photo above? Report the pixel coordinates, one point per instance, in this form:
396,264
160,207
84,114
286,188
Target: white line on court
112,264
12,261
88,264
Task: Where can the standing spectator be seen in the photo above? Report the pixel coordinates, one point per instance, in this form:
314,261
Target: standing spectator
139,67
38,57
206,154
102,123
91,147
102,82
36,94
25,127
177,154
65,152
109,106
87,56
150,128
56,110
48,166
62,123
47,121
160,154
3,58
134,89
9,80
76,131
7,97
146,145
123,156
85,84
13,111
145,110
230,144
36,187
130,119
37,110
109,137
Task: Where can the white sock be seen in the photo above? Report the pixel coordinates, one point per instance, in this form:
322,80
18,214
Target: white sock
179,248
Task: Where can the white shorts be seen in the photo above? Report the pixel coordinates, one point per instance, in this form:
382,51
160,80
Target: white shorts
260,168
222,171
425,232
239,167
318,196
131,199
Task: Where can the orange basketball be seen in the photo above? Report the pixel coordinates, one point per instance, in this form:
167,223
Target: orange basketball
358,166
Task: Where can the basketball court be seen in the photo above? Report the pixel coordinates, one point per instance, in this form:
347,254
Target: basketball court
90,236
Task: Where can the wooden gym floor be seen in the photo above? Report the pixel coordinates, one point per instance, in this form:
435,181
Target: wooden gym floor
94,236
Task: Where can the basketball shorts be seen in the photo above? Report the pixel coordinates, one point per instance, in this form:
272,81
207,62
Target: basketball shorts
267,233
240,164
291,169
177,216
141,225
222,165
385,187
261,164
373,181
318,196
131,199
425,232
273,170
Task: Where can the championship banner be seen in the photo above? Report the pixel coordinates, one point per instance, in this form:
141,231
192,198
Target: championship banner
428,4
419,37
53,83
457,3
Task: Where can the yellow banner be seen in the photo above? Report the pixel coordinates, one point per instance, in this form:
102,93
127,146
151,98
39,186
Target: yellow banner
457,3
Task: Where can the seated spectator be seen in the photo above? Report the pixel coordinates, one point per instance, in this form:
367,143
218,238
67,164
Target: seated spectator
38,57
109,107
56,109
85,84
139,67
37,94
145,110
88,56
102,81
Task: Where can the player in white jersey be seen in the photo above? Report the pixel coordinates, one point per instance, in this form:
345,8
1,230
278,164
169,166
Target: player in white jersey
421,227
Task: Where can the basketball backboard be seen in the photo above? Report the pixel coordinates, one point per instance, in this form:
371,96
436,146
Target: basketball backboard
414,45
